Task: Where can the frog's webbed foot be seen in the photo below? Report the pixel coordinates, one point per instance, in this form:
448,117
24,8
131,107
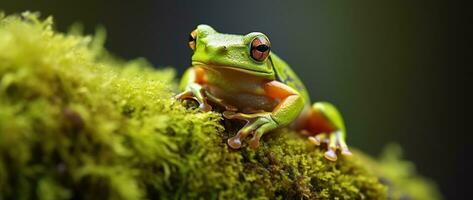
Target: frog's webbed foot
199,97
256,124
334,141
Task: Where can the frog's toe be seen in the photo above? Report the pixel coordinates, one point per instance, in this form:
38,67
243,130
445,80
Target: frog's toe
344,149
319,139
342,145
346,152
204,106
331,155
314,140
188,95
229,114
254,142
185,96
234,142
258,133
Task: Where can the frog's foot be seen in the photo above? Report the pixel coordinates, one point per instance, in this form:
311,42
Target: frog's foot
334,142
199,98
256,124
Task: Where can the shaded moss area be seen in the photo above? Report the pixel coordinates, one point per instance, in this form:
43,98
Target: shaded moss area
77,123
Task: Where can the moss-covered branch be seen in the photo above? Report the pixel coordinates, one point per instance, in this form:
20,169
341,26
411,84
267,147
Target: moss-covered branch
77,123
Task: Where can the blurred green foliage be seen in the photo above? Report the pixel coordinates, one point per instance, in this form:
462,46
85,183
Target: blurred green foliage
75,122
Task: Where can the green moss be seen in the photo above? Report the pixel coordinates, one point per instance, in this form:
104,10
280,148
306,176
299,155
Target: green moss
401,176
77,123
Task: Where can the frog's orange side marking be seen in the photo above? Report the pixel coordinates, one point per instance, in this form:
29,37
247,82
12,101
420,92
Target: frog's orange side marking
278,90
199,75
316,123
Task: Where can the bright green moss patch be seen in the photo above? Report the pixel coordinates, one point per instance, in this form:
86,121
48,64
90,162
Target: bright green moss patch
77,123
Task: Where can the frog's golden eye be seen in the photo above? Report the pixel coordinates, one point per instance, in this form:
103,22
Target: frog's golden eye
260,48
192,39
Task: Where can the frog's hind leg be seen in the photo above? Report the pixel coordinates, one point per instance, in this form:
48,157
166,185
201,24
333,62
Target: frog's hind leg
325,125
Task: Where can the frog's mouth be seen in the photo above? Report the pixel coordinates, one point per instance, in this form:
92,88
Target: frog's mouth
212,66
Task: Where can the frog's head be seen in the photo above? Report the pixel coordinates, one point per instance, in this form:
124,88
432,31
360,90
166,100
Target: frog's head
248,53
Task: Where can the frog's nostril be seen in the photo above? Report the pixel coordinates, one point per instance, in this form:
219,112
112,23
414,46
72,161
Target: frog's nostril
222,49
216,49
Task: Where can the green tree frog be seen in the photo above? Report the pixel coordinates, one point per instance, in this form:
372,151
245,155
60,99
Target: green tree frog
243,76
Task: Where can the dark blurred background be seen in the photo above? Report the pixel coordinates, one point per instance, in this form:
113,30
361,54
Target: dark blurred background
396,69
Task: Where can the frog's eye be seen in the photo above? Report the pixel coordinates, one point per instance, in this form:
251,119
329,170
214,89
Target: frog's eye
260,48
192,39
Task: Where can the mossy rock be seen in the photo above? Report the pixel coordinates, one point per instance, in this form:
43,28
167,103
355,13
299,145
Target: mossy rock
77,123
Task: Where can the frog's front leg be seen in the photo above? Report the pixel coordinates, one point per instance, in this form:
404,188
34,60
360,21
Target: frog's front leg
191,88
290,105
325,121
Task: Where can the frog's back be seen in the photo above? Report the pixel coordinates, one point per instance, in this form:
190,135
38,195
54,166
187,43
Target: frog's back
285,75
